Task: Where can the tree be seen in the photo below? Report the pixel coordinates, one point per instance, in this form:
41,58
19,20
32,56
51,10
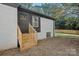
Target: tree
26,5
66,14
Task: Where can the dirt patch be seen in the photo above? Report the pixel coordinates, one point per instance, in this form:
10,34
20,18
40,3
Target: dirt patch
58,46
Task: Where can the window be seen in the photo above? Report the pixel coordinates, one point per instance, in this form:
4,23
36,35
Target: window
35,21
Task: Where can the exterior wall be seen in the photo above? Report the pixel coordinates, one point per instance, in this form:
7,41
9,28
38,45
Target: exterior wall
8,27
46,26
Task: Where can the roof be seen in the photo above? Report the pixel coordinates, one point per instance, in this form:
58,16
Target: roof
35,13
20,8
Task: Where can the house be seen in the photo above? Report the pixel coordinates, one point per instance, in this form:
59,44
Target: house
23,27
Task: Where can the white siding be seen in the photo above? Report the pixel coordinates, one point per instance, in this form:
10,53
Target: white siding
46,26
8,27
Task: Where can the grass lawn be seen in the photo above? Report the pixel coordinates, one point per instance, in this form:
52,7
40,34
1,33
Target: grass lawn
57,34
67,31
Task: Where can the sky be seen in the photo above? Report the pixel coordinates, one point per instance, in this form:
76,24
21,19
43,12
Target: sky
37,4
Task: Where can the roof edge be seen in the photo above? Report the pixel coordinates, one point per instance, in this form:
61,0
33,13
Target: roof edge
33,12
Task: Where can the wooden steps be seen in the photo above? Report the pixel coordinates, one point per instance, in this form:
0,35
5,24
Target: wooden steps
27,40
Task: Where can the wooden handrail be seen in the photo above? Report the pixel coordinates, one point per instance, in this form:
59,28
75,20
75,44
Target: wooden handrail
19,36
33,32
31,29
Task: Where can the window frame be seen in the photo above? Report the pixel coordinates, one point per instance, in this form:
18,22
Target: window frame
35,23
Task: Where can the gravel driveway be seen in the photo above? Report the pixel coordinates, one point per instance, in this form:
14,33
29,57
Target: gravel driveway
59,46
